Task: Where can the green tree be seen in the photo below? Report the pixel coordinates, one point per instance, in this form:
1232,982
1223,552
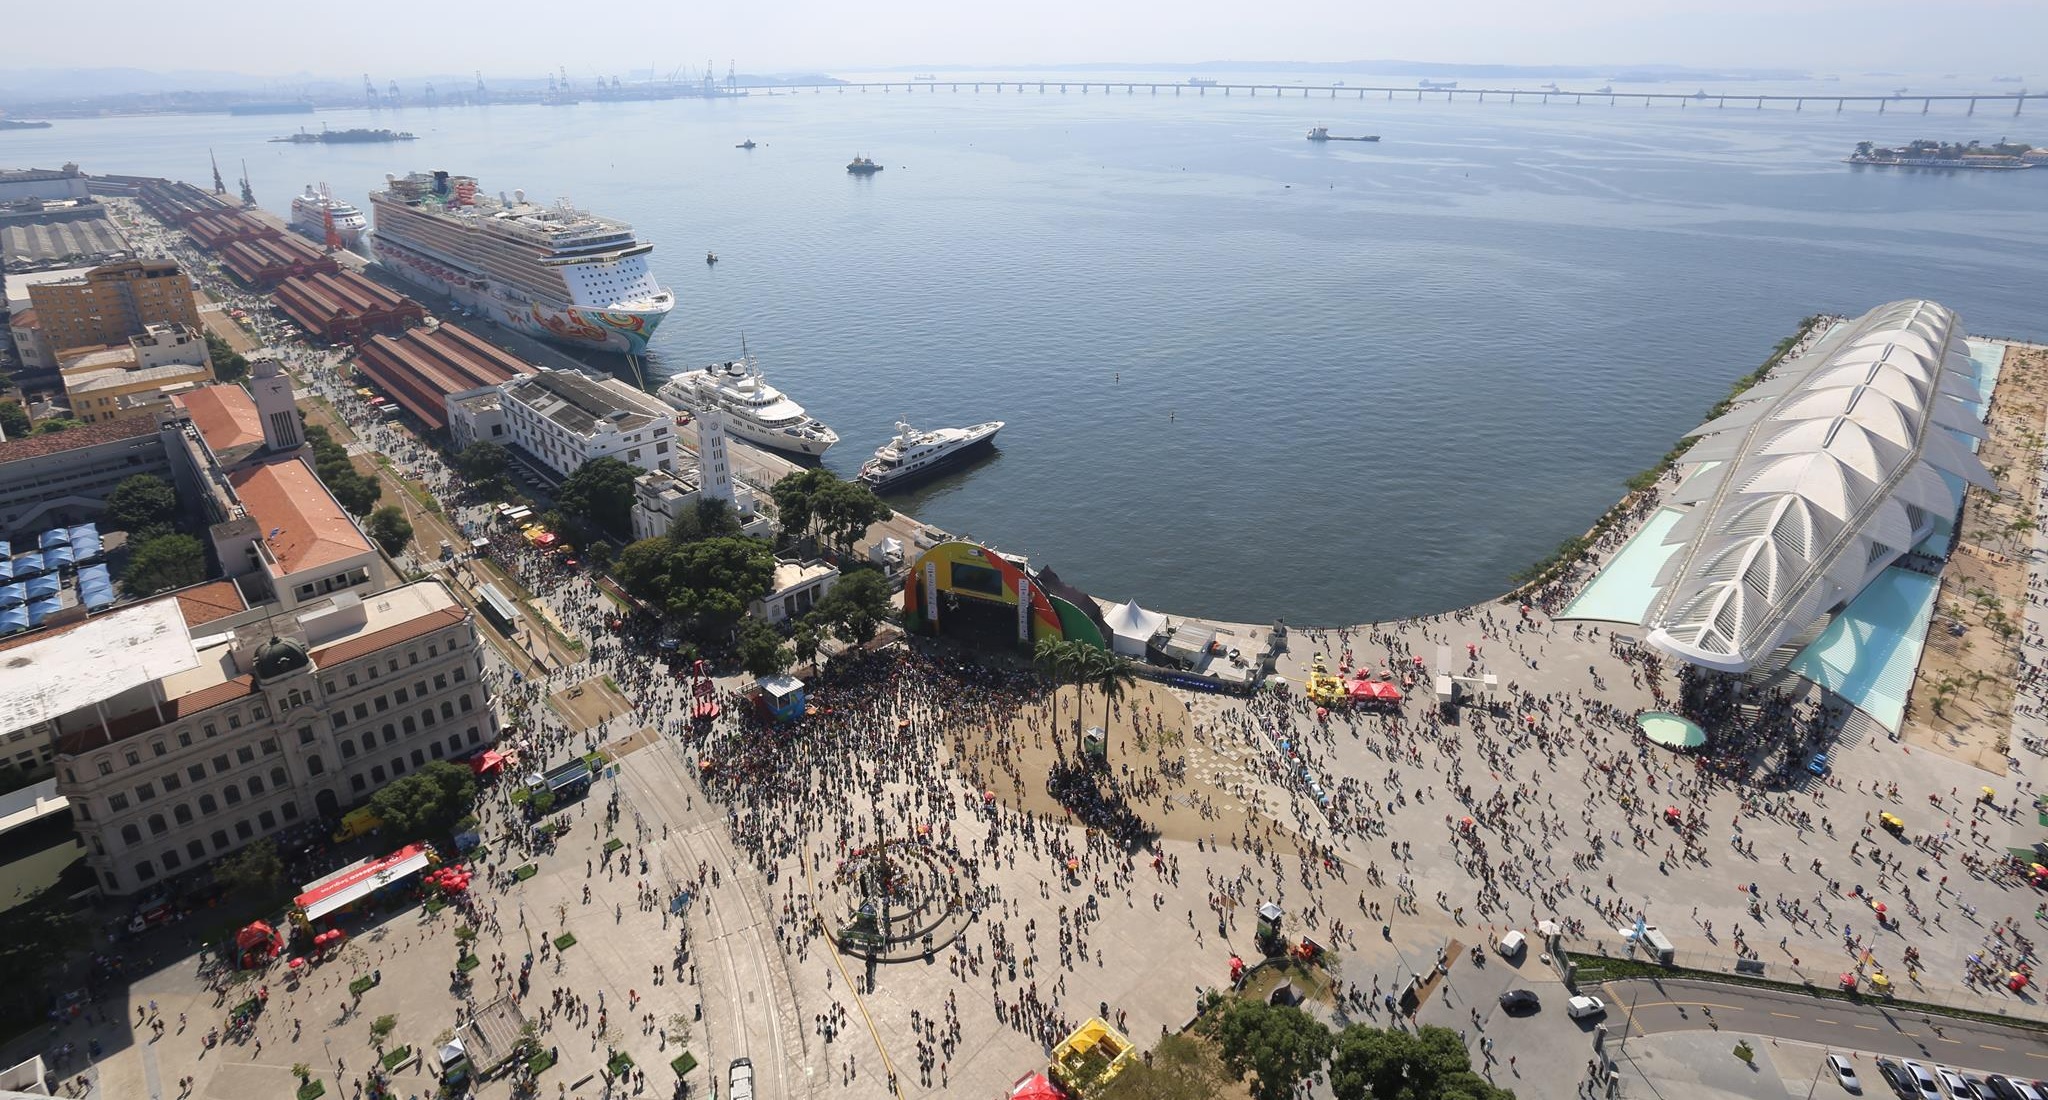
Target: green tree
845,510
228,364
1055,658
805,643
381,1029
712,518
428,802
57,424
1371,1064
642,569
14,421
256,869
482,461
1110,674
761,651
140,502
795,499
600,494
168,561
711,582
390,528
857,606
1278,1047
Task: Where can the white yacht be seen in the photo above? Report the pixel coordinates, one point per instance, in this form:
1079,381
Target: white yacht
914,454
755,411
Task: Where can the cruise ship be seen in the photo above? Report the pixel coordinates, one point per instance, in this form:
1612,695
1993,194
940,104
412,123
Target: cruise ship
913,454
754,410
553,271
309,216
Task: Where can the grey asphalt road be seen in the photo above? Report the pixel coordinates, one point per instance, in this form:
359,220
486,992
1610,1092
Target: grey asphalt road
1651,1007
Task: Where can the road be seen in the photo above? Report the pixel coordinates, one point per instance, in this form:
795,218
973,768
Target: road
739,965
1663,1006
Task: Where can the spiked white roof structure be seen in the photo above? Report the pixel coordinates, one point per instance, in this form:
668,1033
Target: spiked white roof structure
1823,475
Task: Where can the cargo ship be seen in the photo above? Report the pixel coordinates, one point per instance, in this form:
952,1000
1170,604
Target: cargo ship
1322,133
344,137
556,272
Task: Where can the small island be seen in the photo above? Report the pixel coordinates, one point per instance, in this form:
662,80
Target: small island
15,124
2000,156
344,137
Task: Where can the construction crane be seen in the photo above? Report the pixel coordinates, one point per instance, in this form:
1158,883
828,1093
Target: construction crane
369,91
392,93
480,93
219,186
731,79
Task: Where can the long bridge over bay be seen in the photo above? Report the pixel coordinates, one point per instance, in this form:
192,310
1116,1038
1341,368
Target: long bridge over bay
1897,101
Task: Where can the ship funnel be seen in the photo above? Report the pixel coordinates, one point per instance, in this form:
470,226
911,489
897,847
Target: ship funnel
518,194
389,178
503,199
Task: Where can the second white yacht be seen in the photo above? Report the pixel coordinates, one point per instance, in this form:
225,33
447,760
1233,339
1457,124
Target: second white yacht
755,411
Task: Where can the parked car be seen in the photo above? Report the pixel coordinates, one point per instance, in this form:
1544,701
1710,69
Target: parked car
1845,1074
1579,1008
1922,1080
1896,1076
1958,1086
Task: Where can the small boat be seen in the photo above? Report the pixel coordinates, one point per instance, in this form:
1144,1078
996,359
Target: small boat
862,166
1604,89
711,257
747,144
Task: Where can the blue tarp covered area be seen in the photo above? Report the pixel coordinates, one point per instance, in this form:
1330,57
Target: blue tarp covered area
85,544
44,587
28,565
39,610
55,536
13,620
57,557
13,595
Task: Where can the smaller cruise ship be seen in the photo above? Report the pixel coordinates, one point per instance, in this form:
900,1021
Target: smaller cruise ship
755,411
862,166
309,216
913,454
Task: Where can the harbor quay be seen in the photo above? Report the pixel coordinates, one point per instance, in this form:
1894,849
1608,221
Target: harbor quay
919,885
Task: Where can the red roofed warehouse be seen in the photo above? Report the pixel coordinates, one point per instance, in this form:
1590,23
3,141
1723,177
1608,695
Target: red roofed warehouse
265,261
422,367
345,307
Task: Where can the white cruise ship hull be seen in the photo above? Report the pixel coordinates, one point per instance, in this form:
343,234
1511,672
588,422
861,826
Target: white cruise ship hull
773,440
620,330
312,223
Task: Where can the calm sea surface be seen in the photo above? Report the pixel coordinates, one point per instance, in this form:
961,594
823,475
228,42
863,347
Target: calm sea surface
1245,376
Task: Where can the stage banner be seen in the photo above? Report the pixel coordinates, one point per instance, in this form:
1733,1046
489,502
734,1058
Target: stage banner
1024,609
931,593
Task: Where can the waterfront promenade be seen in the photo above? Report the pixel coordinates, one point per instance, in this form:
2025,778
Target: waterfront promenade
1565,804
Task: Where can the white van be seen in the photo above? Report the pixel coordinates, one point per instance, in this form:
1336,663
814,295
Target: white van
1512,943
741,1080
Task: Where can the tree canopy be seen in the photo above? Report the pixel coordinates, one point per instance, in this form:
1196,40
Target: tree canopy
711,582
390,528
256,868
600,494
140,502
13,419
356,493
228,364
1432,1064
164,562
761,650
1278,1047
712,518
428,802
856,607
818,504
482,461
57,424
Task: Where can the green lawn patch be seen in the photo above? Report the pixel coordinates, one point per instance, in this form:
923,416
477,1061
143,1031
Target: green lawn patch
684,1064
468,963
525,871
620,1063
362,985
539,1061
436,904
519,795
565,941
396,1058
613,845
313,1089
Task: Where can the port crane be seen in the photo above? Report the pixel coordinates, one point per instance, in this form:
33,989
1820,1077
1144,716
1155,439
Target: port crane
219,186
369,91
392,94
428,94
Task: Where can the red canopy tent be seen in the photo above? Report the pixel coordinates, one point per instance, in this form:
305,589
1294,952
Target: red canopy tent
1034,1086
490,760
257,943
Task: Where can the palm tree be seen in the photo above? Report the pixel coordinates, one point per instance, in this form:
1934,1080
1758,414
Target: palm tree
1105,671
1055,658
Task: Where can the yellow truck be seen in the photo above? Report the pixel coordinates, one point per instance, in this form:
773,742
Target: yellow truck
355,823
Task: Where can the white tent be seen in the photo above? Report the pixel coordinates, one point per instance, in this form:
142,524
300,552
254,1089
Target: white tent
1133,628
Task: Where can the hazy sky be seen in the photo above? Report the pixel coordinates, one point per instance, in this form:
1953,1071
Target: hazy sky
528,37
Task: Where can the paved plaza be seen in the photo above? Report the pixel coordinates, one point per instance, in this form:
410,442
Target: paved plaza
702,875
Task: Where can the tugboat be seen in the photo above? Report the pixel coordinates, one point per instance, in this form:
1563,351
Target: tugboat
913,454
711,257
862,166
747,144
